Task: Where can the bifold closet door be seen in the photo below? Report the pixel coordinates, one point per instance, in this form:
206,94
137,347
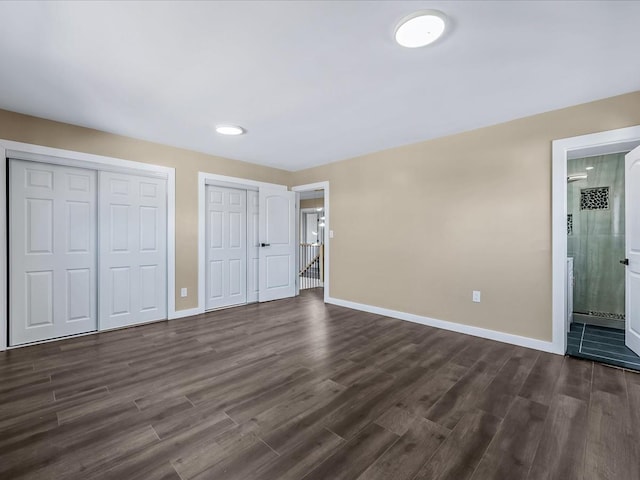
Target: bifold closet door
226,247
133,249
52,245
277,263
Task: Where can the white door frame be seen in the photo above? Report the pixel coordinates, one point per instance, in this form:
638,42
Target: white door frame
601,143
204,179
327,225
39,153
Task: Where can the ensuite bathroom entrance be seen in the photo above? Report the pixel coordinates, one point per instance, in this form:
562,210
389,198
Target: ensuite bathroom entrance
598,265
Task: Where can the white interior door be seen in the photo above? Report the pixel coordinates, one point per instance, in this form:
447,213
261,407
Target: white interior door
253,245
52,249
133,249
277,266
226,252
632,241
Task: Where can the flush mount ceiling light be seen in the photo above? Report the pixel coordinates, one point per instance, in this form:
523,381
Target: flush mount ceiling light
420,28
589,168
230,130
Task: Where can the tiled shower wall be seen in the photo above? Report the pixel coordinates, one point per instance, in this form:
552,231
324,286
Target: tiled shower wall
596,239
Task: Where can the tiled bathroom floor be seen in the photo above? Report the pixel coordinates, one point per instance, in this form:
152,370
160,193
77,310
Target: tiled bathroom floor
601,344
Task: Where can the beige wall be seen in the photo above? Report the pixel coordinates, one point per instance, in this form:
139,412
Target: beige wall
417,228
22,128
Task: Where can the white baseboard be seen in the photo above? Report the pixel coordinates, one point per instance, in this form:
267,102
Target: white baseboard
186,313
454,327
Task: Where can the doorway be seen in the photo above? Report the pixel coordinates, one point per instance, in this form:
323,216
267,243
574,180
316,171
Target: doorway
591,314
311,245
595,246
314,235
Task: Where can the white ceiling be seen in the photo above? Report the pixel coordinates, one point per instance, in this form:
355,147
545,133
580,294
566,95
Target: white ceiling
312,82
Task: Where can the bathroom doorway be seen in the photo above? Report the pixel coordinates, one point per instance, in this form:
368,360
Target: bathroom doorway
593,214
595,248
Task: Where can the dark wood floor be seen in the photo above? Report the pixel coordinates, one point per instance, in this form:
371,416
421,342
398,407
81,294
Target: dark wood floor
295,389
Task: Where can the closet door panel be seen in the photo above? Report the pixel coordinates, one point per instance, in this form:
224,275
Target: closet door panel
52,248
226,247
133,250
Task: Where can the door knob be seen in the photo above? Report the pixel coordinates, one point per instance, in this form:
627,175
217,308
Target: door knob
265,244
625,261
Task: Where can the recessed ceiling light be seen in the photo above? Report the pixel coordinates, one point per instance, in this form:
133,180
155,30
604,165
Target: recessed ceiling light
230,130
420,28
589,168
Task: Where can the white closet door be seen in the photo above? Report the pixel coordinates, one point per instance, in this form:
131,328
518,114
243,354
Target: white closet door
277,272
226,241
52,248
253,245
133,249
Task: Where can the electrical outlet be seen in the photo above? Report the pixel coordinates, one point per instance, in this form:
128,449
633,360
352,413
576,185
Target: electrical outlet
183,292
476,296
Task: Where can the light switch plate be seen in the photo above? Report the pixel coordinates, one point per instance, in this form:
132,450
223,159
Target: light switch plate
330,233
476,296
183,292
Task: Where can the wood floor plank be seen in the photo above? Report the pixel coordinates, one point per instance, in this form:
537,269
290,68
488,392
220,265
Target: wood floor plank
633,391
575,379
562,445
286,415
298,389
235,456
405,457
497,397
541,381
143,463
459,455
350,418
397,420
610,449
291,433
356,455
303,458
462,396
422,399
512,450
608,379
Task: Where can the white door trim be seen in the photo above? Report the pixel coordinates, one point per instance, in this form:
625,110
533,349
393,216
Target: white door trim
87,160
599,143
204,179
327,226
